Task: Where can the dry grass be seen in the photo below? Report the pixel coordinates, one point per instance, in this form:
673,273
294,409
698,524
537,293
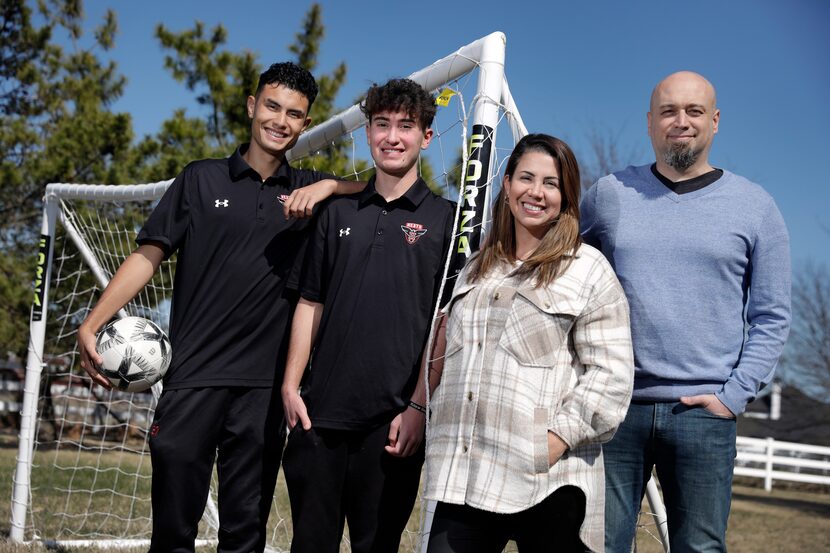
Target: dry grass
782,520
785,519
93,510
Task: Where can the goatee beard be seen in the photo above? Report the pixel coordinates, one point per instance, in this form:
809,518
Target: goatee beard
680,157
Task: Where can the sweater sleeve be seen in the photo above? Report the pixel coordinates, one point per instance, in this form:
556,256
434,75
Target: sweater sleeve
767,313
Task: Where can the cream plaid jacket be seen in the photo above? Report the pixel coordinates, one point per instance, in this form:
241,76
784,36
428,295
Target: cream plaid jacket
521,361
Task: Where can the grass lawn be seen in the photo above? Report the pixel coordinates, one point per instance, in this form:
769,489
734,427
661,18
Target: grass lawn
107,506
782,520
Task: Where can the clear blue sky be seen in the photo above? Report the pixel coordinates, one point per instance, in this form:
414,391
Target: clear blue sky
572,67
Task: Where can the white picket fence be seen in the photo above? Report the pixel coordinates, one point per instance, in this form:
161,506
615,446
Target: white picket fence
771,460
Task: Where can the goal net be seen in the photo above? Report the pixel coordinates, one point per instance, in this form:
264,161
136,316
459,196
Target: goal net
83,469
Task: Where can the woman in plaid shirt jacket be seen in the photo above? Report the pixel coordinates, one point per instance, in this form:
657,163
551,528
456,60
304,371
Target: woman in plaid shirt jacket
537,373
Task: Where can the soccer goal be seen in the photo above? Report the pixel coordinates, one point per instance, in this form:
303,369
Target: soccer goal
83,469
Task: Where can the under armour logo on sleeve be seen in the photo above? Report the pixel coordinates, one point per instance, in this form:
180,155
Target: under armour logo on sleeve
345,231
221,203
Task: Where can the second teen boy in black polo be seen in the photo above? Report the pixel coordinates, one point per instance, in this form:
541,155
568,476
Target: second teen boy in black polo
229,320
370,281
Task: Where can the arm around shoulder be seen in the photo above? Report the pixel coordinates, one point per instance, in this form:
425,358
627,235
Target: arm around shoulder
302,201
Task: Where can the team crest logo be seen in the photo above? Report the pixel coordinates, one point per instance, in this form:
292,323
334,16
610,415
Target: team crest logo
413,231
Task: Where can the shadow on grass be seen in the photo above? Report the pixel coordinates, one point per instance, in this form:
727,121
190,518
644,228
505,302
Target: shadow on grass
822,509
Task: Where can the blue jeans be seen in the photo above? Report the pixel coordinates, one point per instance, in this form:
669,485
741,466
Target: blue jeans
693,451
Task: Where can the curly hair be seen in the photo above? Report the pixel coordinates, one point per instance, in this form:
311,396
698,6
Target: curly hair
291,76
400,95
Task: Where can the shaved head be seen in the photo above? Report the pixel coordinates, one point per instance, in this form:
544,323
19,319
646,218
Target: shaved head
684,79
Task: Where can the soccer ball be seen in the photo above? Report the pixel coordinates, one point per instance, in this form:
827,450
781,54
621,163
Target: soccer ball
136,353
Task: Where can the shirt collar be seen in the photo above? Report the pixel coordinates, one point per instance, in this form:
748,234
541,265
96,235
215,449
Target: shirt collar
414,196
688,185
238,167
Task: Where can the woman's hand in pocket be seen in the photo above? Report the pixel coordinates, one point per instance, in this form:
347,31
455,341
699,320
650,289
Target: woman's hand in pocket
556,448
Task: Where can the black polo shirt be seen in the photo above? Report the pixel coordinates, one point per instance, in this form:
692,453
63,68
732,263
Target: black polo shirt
236,251
376,267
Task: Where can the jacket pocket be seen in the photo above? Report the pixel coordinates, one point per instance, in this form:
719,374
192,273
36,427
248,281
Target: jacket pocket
541,456
538,326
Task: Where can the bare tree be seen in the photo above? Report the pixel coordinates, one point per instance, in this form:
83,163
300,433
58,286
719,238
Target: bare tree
605,156
806,362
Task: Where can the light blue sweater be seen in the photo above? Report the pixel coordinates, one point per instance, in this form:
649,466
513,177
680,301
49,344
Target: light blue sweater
707,275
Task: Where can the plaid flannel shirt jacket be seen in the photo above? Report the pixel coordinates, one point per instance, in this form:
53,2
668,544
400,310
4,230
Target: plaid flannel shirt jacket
521,361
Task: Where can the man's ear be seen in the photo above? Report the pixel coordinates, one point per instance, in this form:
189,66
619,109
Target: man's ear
251,105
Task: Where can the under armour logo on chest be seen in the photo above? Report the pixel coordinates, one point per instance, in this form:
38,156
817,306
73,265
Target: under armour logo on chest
221,203
345,231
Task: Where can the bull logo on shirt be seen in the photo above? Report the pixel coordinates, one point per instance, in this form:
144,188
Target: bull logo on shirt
413,231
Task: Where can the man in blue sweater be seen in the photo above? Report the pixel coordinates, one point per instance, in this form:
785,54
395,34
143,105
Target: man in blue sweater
703,255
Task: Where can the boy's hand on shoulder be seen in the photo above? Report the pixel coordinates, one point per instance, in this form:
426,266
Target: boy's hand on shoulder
300,203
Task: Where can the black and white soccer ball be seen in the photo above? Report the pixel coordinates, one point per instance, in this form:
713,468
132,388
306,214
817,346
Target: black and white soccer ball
136,353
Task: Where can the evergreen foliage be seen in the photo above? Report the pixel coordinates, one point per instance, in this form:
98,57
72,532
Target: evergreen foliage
57,123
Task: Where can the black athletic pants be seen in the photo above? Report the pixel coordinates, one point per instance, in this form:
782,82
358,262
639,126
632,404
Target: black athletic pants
244,426
335,476
551,526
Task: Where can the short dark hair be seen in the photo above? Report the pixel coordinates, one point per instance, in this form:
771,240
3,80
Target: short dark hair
400,95
292,76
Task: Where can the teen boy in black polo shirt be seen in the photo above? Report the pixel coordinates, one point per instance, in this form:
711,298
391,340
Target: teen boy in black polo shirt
228,324
370,281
